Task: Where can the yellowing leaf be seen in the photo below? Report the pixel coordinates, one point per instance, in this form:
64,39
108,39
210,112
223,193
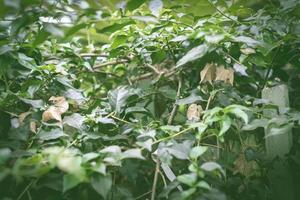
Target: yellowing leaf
208,74
226,75
194,112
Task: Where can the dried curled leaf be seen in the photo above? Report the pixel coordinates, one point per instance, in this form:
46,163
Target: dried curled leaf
226,75
208,74
23,116
242,166
55,111
52,113
61,103
194,112
32,126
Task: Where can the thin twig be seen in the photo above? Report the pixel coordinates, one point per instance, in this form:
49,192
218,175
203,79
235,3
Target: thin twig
121,120
143,195
93,55
222,13
173,112
153,69
172,136
25,189
153,191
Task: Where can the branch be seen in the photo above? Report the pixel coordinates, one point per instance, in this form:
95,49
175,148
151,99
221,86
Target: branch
153,191
93,55
173,112
156,71
116,62
170,121
222,13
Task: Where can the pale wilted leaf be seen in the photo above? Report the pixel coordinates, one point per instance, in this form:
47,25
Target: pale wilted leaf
226,75
208,74
194,112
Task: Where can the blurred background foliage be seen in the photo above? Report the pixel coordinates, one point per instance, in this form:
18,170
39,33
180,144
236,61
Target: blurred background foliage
93,93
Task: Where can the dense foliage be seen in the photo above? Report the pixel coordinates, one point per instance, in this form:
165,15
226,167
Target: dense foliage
146,99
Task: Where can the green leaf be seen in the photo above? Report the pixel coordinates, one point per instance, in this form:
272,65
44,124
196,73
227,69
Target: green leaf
70,181
247,40
74,29
189,100
111,149
41,36
185,194
115,27
146,144
225,124
5,153
214,38
203,184
34,103
75,120
188,179
54,30
192,55
102,184
51,135
256,123
134,4
133,153
118,97
212,166
197,151
239,113
26,61
118,41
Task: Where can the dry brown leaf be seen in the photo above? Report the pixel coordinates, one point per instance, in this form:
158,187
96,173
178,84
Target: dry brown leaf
194,112
226,75
61,103
32,126
242,166
208,74
52,113
55,111
23,116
